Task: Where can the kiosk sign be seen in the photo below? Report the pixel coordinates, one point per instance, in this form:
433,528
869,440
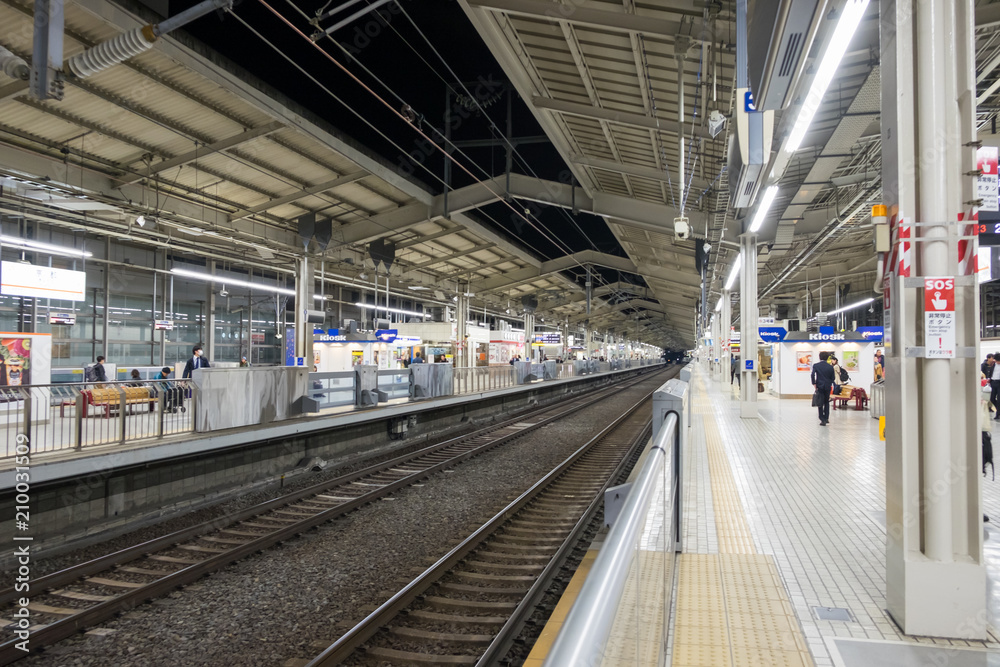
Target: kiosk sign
939,317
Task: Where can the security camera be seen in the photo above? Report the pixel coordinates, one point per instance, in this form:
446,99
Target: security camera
223,293
682,230
716,121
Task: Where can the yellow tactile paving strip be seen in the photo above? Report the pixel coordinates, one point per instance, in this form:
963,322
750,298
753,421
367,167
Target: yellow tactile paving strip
730,520
732,608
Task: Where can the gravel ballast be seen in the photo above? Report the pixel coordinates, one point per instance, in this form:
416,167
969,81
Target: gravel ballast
293,598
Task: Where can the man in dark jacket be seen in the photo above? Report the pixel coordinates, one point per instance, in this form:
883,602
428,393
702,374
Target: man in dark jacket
196,361
823,379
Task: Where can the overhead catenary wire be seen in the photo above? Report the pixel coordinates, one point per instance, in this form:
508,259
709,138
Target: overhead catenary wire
400,115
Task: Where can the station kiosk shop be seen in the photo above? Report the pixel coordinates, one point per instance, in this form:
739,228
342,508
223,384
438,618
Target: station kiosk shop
793,354
337,350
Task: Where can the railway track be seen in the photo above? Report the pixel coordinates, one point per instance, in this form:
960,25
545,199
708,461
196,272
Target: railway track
470,606
82,596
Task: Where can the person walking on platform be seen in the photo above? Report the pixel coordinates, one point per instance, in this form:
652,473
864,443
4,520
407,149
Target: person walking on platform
987,366
995,386
822,379
196,361
734,371
417,359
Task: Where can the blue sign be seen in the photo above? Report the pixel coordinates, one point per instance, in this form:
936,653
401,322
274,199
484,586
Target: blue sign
748,104
826,330
289,346
749,363
872,334
386,335
772,334
300,361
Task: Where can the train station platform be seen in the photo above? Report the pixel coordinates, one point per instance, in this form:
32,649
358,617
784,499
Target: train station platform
782,558
111,488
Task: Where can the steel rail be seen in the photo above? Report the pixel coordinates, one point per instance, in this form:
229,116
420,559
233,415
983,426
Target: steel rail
340,650
68,626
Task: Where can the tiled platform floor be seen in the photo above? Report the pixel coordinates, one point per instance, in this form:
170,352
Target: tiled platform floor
807,504
814,499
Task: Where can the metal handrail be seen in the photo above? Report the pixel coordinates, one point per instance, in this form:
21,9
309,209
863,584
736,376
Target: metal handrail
585,632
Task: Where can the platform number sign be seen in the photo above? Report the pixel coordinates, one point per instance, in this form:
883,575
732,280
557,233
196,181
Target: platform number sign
939,317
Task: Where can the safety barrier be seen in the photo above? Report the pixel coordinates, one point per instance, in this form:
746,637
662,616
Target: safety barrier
630,559
877,400
74,415
68,416
483,378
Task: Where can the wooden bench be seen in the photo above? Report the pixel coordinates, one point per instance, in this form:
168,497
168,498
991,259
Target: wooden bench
110,399
840,400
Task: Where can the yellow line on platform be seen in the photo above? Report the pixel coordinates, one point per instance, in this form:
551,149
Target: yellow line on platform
730,520
732,608
552,626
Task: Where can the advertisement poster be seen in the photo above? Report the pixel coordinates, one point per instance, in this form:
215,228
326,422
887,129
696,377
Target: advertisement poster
804,361
850,359
15,362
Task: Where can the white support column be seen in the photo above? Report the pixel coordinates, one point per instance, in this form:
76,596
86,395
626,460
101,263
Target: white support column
727,324
935,577
529,336
305,287
462,317
209,342
748,326
716,349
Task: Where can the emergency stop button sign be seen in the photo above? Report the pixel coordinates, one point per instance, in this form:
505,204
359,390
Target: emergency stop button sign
939,317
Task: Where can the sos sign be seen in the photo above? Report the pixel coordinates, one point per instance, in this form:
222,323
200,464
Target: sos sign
939,294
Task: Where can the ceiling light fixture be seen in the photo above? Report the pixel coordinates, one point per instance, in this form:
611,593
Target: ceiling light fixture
735,271
718,306
852,306
369,306
225,280
763,207
141,221
43,247
847,25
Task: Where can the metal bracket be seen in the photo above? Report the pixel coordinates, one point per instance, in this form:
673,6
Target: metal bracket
921,352
918,281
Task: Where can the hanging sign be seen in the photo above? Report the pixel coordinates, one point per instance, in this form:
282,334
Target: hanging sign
986,186
765,321
939,317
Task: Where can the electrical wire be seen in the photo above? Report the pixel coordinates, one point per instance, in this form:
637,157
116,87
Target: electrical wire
283,19
419,131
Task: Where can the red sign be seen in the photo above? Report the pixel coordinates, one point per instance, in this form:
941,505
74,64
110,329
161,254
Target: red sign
939,294
939,317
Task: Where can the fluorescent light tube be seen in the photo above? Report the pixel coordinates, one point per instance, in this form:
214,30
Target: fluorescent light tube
234,282
763,207
718,306
852,306
735,271
391,310
847,25
44,247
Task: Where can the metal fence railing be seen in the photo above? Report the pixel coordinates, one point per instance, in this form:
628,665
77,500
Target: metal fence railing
75,415
395,383
635,564
333,389
484,378
877,399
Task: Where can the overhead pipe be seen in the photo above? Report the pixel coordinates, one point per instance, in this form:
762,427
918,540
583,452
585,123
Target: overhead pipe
14,66
129,44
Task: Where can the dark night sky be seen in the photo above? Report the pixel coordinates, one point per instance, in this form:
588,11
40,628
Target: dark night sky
402,77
